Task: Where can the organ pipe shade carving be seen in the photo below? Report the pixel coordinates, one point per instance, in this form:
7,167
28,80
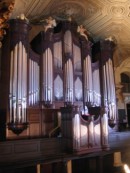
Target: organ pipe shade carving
47,85
58,88
18,84
78,89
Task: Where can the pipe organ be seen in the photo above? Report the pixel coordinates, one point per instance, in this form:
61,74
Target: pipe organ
59,71
18,75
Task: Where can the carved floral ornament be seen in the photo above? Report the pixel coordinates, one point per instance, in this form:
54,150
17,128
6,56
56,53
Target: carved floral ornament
6,8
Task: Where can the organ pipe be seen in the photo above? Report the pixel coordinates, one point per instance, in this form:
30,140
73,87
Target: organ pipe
11,88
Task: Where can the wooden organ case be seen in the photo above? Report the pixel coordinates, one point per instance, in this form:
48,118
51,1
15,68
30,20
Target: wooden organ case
60,84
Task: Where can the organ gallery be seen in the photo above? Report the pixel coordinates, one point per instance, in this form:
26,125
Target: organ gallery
61,84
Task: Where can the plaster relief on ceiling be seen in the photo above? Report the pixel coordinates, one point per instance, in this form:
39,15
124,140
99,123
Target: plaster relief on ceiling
129,12
64,10
117,11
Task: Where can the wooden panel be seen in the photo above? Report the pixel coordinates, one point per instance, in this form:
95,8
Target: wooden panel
23,151
35,123
46,146
49,120
26,147
34,114
34,117
34,129
6,149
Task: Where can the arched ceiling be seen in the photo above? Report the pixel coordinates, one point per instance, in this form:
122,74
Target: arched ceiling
101,18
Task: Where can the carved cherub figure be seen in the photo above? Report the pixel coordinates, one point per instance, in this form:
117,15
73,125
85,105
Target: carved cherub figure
50,23
22,17
82,31
110,38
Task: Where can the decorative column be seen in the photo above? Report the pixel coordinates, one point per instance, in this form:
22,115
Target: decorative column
19,44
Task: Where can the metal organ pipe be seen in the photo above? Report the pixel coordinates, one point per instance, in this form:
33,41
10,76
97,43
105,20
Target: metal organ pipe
11,88
105,85
19,81
30,82
24,85
15,83
33,82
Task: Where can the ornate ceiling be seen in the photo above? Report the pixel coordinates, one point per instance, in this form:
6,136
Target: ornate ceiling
101,18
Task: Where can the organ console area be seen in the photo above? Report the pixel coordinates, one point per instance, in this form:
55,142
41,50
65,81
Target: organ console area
59,85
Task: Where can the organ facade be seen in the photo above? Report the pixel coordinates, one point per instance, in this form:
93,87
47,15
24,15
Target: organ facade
59,84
